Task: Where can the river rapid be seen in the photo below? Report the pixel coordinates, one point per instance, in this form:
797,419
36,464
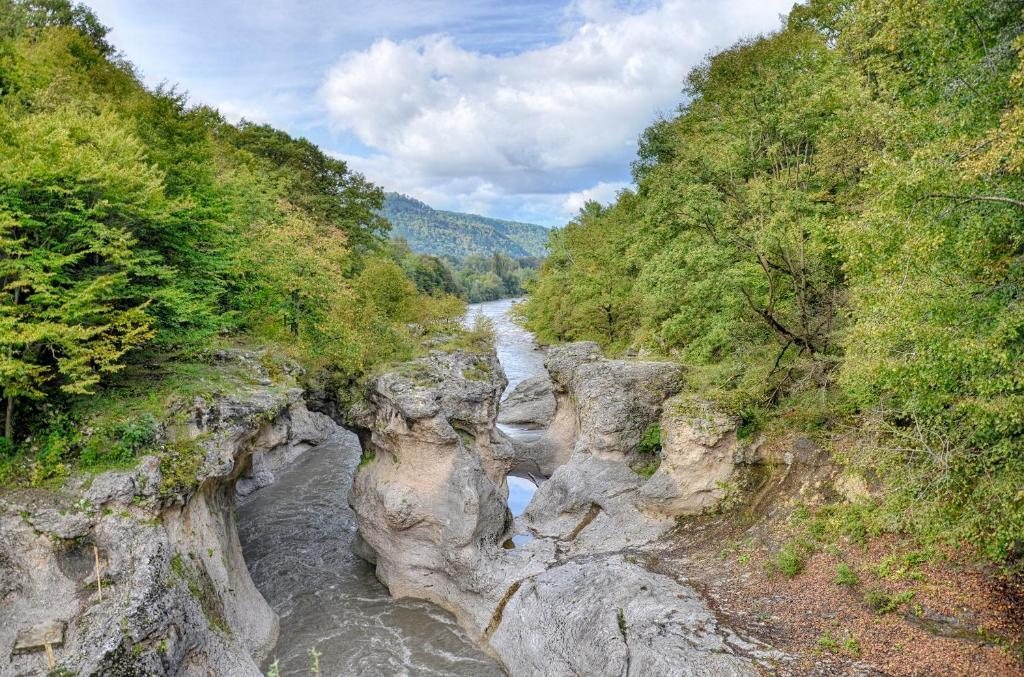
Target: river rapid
297,534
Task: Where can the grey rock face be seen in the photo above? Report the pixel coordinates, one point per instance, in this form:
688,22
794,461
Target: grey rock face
278,445
176,595
697,460
430,505
605,617
603,407
531,402
431,513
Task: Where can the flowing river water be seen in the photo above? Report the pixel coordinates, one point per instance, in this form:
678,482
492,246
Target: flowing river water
297,534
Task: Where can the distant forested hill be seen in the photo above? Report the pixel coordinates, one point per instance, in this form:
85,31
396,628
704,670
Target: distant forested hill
441,233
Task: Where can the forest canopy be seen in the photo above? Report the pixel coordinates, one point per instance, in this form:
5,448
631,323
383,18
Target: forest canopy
140,233
829,233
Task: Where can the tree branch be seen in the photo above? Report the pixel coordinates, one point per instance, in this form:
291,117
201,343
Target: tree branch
980,198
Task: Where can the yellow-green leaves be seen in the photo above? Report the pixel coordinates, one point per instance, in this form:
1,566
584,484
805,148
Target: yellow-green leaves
72,182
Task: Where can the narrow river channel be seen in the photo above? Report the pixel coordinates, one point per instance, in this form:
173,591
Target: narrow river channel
297,533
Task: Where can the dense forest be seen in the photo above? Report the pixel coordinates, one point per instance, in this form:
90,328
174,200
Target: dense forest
829,233
140,235
457,235
473,278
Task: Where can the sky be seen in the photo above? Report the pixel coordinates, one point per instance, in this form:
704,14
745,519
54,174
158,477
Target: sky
521,110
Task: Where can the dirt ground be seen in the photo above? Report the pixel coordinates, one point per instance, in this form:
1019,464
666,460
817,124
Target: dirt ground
888,614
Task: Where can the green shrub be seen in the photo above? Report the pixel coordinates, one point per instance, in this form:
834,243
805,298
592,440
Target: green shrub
845,575
882,602
650,443
790,559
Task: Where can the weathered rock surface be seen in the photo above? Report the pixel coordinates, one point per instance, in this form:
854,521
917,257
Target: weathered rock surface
283,442
176,595
430,502
531,402
698,458
607,617
431,515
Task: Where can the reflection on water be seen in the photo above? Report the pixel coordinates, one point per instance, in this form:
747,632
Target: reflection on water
297,535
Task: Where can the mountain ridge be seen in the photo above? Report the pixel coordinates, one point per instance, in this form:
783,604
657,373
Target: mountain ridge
458,234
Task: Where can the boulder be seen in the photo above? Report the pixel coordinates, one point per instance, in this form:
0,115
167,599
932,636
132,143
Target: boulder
697,460
531,402
608,617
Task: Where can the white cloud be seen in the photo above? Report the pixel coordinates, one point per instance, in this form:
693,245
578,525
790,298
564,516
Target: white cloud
560,120
603,192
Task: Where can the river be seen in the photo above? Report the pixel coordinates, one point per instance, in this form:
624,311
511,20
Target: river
297,534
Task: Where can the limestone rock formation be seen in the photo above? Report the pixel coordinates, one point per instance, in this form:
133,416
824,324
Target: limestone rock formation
698,457
606,617
531,402
176,595
430,496
570,599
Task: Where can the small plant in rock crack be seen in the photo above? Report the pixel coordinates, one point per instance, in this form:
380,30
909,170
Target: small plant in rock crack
622,624
314,661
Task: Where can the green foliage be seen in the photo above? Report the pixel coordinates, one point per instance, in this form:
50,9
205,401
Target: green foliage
479,339
366,457
180,464
649,450
791,558
456,235
119,442
845,575
828,233
848,644
474,278
882,602
650,443
137,230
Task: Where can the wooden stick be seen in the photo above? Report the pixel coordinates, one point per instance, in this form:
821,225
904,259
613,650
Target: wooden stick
51,660
99,581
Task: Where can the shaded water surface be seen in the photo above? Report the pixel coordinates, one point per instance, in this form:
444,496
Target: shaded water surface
297,535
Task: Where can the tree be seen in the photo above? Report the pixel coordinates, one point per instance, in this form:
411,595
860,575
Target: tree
317,183
69,183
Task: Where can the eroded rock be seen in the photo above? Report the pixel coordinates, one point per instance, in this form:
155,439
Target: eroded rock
177,598
531,402
431,514
697,460
607,617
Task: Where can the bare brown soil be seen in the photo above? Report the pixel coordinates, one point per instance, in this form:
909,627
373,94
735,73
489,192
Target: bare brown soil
949,615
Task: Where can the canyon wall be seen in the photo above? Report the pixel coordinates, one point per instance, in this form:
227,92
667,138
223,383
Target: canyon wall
175,595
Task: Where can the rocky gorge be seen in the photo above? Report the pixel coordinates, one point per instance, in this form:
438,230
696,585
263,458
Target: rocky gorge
140,571
567,587
575,597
